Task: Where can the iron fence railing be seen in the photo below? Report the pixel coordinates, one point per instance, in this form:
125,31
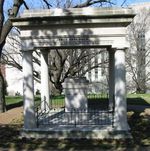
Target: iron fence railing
97,96
97,113
59,101
43,112
75,118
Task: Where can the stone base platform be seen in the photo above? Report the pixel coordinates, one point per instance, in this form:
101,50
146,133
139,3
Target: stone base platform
75,133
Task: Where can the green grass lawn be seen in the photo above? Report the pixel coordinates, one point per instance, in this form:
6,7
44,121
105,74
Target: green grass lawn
13,99
138,99
132,99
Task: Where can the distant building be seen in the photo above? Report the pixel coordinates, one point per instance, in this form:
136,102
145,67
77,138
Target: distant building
140,47
12,70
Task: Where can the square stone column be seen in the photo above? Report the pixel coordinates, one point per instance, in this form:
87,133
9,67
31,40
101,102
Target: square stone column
44,81
120,118
28,91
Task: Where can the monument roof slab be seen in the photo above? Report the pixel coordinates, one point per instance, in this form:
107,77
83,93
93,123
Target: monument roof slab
75,16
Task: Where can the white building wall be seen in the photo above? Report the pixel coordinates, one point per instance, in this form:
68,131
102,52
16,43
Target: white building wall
14,76
14,80
98,78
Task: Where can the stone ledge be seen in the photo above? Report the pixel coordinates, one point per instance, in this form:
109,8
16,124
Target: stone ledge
87,11
75,134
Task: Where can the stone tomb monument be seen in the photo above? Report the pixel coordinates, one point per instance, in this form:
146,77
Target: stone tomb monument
75,94
74,28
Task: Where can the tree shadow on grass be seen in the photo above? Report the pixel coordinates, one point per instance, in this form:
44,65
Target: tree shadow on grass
100,104
137,104
14,105
140,127
137,101
20,103
10,140
9,136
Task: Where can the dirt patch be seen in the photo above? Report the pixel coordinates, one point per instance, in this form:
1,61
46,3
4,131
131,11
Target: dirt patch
11,116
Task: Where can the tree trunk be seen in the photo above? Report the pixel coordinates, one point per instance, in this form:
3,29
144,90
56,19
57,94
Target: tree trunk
141,61
140,89
2,95
2,84
55,89
59,88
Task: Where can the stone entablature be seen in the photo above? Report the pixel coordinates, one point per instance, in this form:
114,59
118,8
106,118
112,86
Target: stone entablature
76,16
74,27
30,43
74,12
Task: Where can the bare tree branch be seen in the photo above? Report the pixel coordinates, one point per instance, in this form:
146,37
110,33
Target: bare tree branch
47,4
25,5
8,25
123,3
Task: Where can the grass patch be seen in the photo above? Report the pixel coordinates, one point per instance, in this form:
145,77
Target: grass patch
138,99
17,101
58,101
140,126
16,143
13,99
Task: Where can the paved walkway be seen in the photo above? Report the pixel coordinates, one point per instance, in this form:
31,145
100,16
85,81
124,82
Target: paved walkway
11,115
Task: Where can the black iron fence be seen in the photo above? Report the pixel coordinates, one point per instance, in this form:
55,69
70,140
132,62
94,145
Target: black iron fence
100,99
57,102
74,118
97,114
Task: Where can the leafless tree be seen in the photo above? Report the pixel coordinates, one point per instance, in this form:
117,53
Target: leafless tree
62,63
5,27
138,58
74,63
